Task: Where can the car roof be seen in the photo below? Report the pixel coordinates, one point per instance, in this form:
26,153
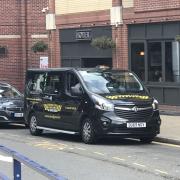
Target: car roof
76,69
4,84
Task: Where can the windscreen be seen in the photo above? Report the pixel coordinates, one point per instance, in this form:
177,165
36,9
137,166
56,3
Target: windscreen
111,82
8,92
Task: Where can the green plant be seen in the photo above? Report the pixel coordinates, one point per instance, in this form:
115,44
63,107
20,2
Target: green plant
103,42
39,46
177,38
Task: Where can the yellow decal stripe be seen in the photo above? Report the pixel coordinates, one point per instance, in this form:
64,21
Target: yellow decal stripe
127,96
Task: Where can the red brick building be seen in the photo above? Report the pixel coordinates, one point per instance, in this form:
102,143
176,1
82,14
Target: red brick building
145,33
145,36
22,23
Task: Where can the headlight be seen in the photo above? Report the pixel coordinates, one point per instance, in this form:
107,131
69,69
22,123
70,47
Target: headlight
102,104
155,104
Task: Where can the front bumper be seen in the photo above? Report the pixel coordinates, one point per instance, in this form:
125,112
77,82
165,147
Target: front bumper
108,123
11,117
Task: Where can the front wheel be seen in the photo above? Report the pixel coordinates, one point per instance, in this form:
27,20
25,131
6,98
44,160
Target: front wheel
33,125
88,132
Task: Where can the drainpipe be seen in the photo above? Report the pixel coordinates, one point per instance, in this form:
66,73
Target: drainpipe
116,22
50,26
23,21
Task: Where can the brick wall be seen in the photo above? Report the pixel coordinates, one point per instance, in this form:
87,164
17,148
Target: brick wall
10,19
120,53
152,5
19,20
10,31
76,20
35,26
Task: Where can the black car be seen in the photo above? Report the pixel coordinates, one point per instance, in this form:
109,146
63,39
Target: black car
11,104
90,102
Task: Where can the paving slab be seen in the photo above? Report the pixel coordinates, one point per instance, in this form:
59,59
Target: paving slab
170,129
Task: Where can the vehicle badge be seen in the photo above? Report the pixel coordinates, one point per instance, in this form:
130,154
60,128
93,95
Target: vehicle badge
135,109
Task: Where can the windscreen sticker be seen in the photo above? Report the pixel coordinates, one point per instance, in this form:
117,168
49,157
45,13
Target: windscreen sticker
34,99
52,107
128,96
52,117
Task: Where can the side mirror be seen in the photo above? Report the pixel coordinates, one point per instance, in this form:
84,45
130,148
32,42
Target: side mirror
76,90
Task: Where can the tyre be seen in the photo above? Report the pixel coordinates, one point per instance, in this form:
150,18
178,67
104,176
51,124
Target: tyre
147,140
88,132
33,125
26,125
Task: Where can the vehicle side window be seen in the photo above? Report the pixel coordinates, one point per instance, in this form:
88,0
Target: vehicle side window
36,83
54,84
72,81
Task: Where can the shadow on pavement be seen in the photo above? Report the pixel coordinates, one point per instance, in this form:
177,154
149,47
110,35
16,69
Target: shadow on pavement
113,141
12,126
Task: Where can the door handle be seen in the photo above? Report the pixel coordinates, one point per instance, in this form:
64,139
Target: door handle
49,98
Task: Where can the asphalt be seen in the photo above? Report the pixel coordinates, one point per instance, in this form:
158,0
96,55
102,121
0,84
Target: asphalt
170,129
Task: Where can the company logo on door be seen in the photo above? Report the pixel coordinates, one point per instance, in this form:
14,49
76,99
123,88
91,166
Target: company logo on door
83,34
52,107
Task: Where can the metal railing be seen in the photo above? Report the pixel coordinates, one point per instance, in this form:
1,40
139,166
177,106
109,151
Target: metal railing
19,158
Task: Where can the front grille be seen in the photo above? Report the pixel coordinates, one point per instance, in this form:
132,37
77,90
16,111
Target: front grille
130,113
15,109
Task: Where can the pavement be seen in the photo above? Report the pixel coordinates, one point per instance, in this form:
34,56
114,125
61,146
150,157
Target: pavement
170,129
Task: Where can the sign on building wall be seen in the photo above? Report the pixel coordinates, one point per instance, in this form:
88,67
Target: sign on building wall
83,34
43,62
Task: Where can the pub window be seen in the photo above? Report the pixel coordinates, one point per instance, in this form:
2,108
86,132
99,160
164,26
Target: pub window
155,61
3,51
172,62
138,60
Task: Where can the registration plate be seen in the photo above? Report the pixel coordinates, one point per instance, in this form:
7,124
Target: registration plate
136,125
18,114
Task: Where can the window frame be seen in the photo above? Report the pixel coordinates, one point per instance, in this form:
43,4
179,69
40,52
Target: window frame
68,84
59,74
162,41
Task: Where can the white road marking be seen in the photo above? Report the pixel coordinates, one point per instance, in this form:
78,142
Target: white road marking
14,135
30,138
62,144
119,159
79,148
162,172
99,153
6,159
137,164
167,144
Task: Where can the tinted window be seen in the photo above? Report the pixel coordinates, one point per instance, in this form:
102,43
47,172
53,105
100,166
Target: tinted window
54,84
72,81
36,83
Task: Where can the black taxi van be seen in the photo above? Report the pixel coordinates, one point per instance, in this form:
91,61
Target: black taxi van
90,102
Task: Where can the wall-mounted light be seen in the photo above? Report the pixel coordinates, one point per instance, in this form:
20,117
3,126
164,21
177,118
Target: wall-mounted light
141,53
